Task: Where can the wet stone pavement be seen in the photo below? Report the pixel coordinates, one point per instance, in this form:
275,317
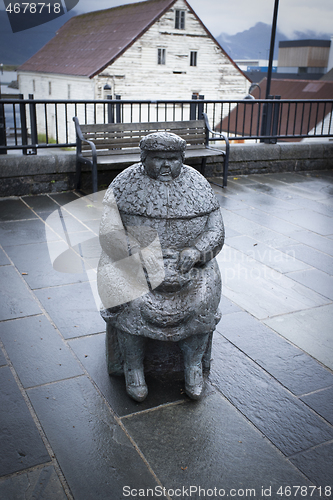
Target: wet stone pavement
264,428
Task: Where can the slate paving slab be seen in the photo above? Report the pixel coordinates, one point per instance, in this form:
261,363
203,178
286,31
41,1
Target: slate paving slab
209,444
321,243
261,290
11,210
24,232
255,230
91,352
16,300
321,402
37,352
4,261
3,361
73,309
270,256
93,451
42,484
35,262
63,198
311,330
285,420
310,256
293,368
40,203
315,279
317,464
21,444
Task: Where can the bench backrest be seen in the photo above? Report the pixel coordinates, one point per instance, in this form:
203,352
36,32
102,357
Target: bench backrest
116,138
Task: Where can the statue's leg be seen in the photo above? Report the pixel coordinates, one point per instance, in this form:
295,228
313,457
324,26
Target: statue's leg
193,349
208,353
133,350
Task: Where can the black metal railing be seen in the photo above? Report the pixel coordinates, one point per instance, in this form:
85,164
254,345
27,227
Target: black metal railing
31,124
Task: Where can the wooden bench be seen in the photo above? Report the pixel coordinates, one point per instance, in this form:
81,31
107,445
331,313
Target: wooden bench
117,144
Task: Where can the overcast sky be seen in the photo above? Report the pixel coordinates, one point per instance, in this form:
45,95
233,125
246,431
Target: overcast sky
233,16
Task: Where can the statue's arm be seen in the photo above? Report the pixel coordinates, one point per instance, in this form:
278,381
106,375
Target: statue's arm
209,243
113,236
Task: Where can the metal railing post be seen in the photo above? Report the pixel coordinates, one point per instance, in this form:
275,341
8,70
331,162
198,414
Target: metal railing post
200,107
33,124
193,108
110,110
23,119
275,119
3,138
118,109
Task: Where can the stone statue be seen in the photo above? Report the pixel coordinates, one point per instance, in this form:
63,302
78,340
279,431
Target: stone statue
157,277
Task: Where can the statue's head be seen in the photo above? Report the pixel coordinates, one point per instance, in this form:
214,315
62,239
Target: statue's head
162,155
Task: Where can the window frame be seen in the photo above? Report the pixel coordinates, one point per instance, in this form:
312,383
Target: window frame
194,58
180,19
161,56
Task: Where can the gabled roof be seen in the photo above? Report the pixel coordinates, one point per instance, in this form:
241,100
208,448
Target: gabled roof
88,43
242,121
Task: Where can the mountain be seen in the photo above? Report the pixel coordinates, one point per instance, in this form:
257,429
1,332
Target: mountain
254,43
16,48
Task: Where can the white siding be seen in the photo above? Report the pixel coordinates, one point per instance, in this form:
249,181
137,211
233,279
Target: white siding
80,88
136,74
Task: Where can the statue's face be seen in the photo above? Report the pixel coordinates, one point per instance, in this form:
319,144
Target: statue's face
163,165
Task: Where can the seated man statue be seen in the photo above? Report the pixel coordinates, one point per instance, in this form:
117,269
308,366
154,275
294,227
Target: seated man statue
157,277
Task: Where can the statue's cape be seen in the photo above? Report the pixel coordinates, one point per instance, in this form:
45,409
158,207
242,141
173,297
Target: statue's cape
188,195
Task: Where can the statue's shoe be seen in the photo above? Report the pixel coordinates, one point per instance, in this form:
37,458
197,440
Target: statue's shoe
194,382
136,386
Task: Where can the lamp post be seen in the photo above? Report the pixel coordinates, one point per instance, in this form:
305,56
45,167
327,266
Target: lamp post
2,120
271,50
267,112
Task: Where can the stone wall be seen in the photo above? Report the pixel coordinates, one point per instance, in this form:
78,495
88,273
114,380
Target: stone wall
46,173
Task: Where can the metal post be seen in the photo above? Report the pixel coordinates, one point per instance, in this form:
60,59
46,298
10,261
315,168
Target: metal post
118,109
23,119
275,118
200,107
3,138
193,108
271,50
33,124
110,110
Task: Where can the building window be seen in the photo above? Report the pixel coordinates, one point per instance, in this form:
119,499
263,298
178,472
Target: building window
160,56
68,91
50,88
180,20
33,86
193,58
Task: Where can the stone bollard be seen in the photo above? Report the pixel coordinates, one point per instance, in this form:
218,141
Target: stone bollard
157,276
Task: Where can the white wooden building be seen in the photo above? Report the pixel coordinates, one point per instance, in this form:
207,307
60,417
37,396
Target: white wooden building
158,49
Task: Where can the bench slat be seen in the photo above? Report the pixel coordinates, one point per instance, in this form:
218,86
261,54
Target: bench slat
105,127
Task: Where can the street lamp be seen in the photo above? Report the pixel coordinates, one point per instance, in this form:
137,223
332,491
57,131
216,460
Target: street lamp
252,86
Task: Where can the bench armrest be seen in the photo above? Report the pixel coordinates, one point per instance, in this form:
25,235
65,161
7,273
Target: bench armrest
80,159
80,139
214,138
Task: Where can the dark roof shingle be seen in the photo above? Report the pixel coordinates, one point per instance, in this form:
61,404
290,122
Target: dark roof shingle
87,43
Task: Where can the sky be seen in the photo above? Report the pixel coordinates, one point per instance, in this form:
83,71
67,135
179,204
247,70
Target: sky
233,16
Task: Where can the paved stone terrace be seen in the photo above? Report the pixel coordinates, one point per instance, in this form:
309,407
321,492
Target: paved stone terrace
265,423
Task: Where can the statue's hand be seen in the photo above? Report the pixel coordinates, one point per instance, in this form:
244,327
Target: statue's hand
187,259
